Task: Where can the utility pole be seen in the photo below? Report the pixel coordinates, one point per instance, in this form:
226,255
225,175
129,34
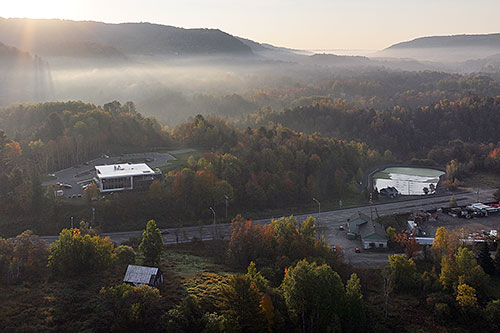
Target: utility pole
71,222
93,215
371,208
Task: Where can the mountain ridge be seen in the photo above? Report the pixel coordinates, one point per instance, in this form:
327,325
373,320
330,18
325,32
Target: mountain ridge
128,38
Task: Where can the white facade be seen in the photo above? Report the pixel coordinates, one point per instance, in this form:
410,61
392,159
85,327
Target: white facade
119,177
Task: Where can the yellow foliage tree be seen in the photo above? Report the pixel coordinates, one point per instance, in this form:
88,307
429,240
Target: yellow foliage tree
466,297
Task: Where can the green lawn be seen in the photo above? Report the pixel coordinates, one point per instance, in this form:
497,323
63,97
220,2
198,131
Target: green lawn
181,161
46,178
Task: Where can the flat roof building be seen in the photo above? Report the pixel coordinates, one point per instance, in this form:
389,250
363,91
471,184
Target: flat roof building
120,177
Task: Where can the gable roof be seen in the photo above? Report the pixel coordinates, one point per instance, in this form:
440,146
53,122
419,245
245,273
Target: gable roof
140,274
362,225
372,231
356,221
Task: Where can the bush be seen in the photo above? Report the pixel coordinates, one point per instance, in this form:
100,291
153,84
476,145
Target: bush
132,309
492,314
442,310
74,253
124,256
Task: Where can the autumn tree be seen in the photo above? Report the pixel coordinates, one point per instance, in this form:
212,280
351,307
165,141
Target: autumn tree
354,319
128,308
315,295
404,272
408,243
124,256
462,268
249,242
151,246
441,244
466,298
29,256
74,253
242,301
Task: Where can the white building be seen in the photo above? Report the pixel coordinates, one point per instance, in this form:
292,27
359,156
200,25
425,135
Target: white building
119,177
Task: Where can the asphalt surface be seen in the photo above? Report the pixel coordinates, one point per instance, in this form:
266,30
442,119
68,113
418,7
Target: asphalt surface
328,222
80,174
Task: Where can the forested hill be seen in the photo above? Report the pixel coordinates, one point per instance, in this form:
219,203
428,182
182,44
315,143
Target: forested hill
446,49
23,76
39,36
488,41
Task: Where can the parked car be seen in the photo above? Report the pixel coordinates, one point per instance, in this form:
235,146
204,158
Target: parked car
357,250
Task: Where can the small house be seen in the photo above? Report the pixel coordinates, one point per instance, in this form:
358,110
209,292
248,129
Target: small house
142,275
371,233
390,192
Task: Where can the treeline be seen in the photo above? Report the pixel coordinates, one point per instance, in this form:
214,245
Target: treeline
41,138
54,136
407,132
256,169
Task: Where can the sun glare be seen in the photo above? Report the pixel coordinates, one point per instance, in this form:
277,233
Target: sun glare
35,9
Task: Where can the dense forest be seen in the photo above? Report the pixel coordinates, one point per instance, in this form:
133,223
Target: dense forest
270,278
261,278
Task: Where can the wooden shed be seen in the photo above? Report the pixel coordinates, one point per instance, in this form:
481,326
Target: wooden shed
142,275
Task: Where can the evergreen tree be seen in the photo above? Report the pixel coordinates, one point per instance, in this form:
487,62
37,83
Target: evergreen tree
151,245
496,262
484,259
355,317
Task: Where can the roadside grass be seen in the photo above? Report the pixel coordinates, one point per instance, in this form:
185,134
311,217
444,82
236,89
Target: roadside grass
481,180
349,201
194,258
45,178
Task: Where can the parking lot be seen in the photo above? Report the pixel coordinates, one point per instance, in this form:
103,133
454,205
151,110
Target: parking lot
477,224
75,177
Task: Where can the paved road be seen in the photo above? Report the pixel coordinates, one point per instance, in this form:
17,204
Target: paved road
77,174
328,221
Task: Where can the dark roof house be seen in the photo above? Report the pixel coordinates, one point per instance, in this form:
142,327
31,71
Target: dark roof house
371,233
142,275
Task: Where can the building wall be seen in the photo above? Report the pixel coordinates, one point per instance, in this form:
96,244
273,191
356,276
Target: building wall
373,245
110,184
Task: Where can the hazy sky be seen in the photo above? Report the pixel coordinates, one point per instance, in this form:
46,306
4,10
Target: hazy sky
303,24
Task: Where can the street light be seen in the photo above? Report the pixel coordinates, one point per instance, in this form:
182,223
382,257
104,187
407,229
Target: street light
227,203
71,222
215,225
319,207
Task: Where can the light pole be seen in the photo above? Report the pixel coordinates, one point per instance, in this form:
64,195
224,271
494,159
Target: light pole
71,222
319,208
93,216
215,225
227,203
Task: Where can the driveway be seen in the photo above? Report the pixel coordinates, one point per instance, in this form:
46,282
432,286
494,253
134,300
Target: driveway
80,174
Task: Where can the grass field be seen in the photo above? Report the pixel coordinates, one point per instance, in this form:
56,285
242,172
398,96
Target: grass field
482,180
181,161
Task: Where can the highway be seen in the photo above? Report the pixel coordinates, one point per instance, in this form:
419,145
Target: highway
328,221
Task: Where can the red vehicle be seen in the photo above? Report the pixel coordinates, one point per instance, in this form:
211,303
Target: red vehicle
357,250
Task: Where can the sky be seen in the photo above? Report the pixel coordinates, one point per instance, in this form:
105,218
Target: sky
299,24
